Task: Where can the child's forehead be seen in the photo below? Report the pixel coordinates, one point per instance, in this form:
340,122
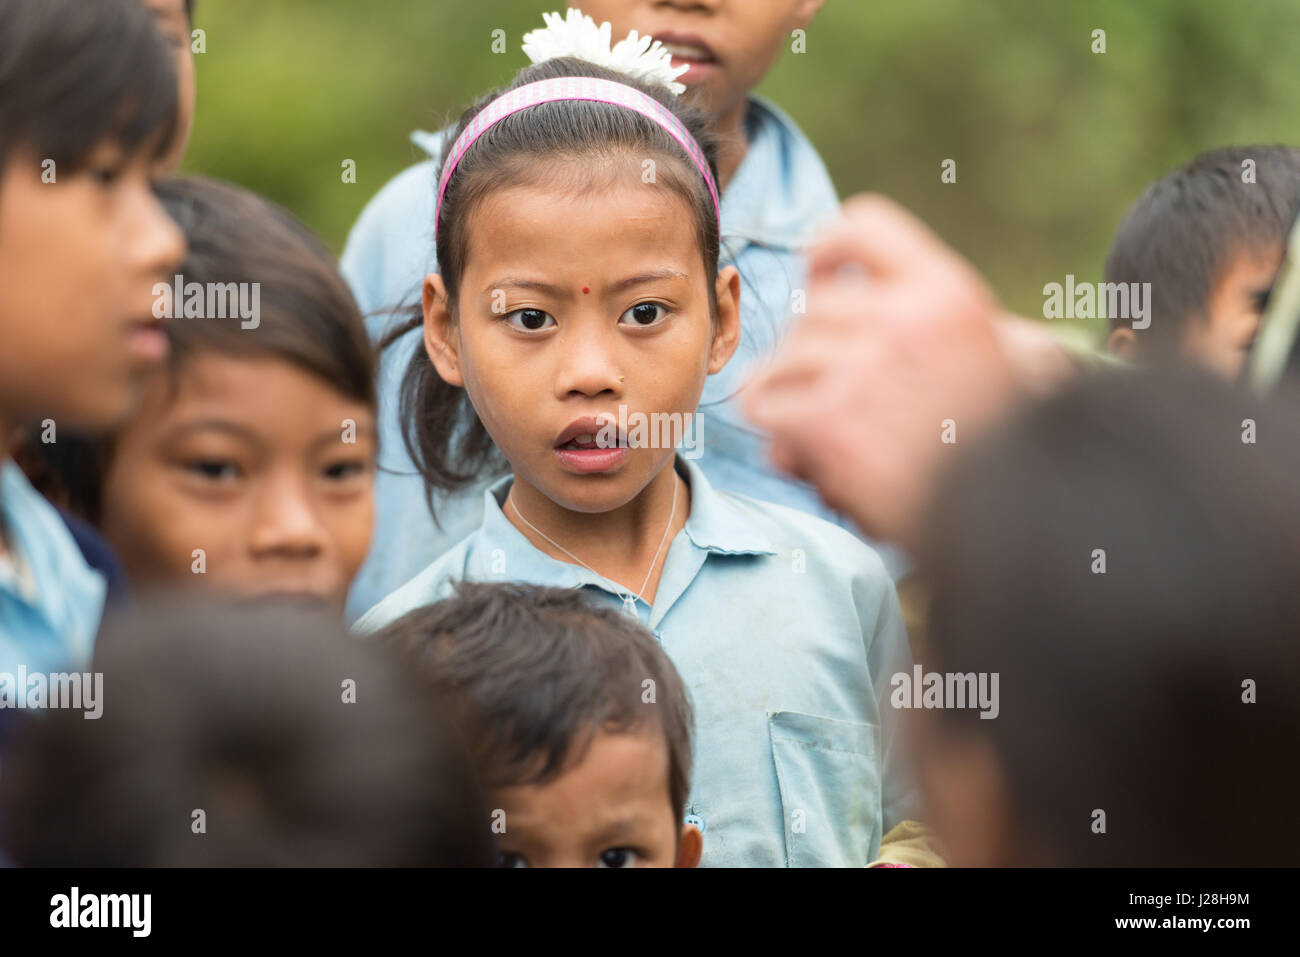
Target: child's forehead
622,182
207,376
552,229
608,775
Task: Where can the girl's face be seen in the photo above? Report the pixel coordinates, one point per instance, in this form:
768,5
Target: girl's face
572,308
79,256
258,463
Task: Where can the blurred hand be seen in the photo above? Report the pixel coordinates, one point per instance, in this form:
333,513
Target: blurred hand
901,335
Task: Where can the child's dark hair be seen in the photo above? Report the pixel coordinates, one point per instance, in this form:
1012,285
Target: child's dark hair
76,75
307,314
443,434
1126,563
1189,226
533,673
245,714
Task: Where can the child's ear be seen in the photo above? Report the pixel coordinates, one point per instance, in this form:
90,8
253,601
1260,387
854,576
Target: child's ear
726,330
689,847
440,340
1123,343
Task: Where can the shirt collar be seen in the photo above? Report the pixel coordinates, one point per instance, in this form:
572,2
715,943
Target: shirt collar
780,162
716,525
781,193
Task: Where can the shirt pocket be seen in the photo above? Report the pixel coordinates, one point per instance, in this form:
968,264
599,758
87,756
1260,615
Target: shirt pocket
829,777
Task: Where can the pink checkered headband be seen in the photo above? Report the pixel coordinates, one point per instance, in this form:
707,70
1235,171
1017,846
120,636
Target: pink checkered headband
575,88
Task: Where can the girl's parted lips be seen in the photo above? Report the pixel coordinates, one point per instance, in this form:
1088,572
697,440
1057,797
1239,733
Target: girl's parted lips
585,430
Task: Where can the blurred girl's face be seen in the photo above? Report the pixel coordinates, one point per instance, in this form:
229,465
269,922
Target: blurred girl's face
257,463
570,307
80,252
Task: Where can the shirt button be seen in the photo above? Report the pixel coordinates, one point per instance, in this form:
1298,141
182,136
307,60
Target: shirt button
659,637
696,821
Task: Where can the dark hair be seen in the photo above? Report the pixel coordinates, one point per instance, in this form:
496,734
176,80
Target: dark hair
1189,226
74,75
189,10
307,314
446,440
244,713
533,673
1122,684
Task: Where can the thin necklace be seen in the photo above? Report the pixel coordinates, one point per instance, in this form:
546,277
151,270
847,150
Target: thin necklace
629,599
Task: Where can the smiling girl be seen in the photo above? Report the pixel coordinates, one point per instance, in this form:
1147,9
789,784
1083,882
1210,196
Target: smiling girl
577,244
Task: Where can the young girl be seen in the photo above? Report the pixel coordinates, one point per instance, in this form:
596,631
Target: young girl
577,297
249,465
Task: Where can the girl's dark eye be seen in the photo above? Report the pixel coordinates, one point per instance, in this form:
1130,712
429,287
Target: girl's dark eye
617,857
529,320
105,176
645,314
213,470
344,470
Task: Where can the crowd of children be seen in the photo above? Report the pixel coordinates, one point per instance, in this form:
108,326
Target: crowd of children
232,448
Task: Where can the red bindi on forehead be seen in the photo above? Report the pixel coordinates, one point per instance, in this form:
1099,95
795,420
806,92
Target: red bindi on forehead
586,289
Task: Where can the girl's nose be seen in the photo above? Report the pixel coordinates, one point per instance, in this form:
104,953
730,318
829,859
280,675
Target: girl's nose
590,368
285,524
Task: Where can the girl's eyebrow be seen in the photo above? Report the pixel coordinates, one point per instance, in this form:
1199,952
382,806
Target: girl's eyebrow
212,425
510,282
332,437
558,292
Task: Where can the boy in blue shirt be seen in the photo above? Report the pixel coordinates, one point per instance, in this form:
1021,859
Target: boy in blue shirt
775,192
87,106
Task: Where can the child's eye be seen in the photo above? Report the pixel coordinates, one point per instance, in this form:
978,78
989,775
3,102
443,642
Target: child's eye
105,175
341,471
645,314
213,470
617,857
529,320
510,859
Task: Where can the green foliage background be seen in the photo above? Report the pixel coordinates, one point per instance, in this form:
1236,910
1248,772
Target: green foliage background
1052,141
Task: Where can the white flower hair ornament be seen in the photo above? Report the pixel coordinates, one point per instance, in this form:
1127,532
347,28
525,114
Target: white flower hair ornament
577,35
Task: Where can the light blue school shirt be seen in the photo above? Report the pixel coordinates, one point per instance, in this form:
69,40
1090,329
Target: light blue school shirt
51,625
786,630
780,193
